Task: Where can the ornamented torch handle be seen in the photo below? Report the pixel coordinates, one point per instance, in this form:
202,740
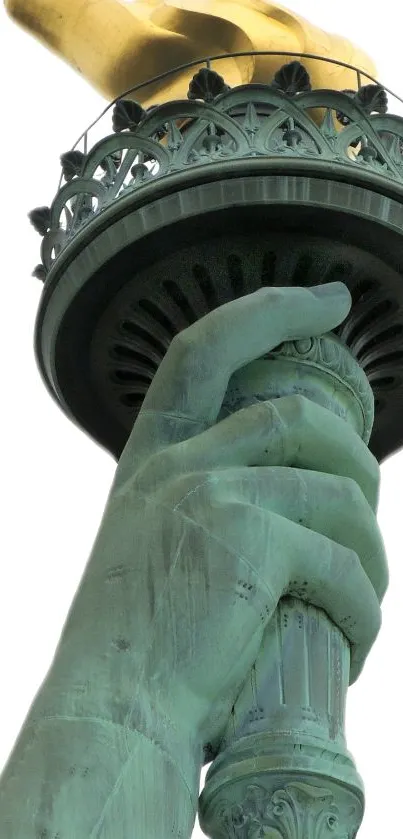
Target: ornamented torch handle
283,771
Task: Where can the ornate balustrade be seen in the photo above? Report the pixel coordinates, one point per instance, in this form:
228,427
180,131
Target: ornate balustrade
283,119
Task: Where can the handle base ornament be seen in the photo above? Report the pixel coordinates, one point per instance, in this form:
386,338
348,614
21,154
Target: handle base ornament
284,806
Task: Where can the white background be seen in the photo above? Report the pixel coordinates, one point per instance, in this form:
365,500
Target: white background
55,480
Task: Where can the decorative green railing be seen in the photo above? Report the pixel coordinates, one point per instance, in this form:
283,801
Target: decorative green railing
283,119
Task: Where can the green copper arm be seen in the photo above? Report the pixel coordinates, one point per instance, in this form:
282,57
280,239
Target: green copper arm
159,641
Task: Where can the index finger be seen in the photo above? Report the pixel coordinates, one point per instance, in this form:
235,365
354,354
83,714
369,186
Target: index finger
186,394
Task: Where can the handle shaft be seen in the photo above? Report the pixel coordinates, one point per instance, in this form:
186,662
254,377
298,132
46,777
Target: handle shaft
283,766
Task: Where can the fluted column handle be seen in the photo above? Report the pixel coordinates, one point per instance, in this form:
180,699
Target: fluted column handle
283,771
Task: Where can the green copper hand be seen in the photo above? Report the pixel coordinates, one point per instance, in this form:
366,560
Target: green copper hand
158,641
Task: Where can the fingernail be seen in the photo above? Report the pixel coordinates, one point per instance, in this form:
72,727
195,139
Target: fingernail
330,290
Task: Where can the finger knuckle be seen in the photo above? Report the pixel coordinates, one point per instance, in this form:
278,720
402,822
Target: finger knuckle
182,340
371,626
162,464
207,328
155,471
376,621
348,564
190,490
300,408
384,581
260,415
374,466
353,494
374,471
276,295
183,345
194,349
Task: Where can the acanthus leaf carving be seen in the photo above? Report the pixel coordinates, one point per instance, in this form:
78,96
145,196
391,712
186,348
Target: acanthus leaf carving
297,810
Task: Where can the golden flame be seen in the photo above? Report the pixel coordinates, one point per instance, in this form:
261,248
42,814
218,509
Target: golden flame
116,45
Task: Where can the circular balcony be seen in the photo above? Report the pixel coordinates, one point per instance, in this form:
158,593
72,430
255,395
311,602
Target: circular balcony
197,201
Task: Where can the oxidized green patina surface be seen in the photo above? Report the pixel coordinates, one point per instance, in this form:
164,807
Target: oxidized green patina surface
233,590
279,122
208,525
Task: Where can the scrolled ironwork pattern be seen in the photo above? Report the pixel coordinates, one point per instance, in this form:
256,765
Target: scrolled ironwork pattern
283,119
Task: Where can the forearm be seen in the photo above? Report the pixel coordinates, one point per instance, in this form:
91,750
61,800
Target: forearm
100,755
80,777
